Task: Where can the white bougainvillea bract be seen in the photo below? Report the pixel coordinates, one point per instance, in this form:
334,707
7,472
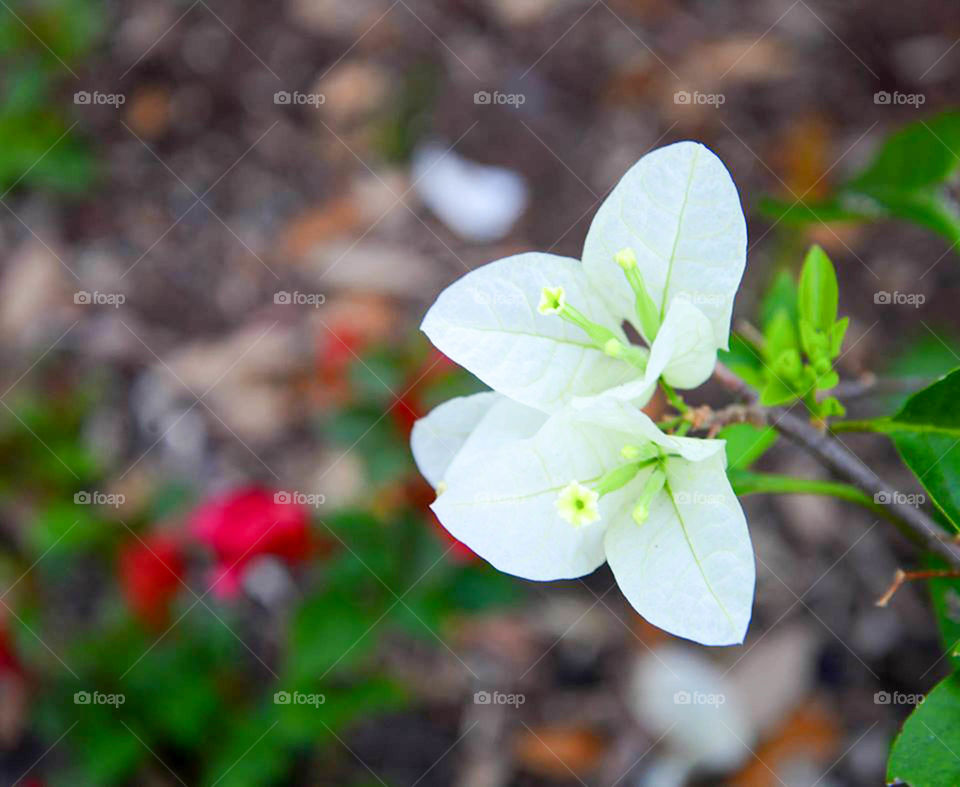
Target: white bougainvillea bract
557,470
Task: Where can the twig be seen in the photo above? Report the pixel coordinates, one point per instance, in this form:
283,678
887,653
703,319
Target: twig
910,576
915,523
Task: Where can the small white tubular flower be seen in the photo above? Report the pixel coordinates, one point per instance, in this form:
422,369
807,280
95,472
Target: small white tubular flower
552,300
687,568
578,504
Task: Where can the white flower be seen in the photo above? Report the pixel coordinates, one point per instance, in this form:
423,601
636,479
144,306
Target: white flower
666,251
549,497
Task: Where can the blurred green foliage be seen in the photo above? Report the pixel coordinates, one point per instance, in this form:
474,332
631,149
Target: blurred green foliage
200,693
913,177
41,43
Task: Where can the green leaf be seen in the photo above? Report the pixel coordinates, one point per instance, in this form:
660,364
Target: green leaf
945,596
830,407
837,332
827,381
817,294
744,360
922,754
926,432
746,443
793,213
909,178
780,297
780,335
921,154
776,392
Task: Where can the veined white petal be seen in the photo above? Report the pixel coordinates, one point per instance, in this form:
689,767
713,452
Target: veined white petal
505,422
679,210
684,353
502,502
438,437
689,569
632,425
487,321
685,350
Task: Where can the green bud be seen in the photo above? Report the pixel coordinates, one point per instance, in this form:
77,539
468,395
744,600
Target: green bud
652,487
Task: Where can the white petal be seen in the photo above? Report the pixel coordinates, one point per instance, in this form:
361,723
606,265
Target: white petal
684,352
488,322
501,502
688,569
438,437
505,422
679,210
631,426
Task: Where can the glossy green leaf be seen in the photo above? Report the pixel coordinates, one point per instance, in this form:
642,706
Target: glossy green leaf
781,296
837,332
945,597
746,443
926,432
817,294
780,335
744,360
921,154
775,393
922,754
908,179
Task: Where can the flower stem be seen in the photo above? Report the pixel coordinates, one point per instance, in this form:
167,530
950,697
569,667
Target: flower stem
745,482
877,425
676,401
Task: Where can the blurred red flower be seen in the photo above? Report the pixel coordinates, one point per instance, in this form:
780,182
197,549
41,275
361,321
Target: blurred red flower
412,404
246,523
150,575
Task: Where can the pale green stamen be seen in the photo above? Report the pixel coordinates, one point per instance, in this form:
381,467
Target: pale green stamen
553,301
647,312
638,452
637,356
651,489
578,504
